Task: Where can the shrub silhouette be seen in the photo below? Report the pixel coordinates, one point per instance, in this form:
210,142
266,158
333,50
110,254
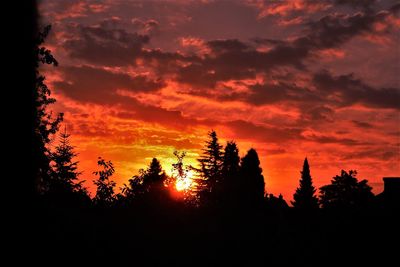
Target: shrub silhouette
345,191
105,196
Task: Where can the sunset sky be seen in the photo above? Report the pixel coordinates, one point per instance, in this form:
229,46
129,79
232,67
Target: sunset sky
140,79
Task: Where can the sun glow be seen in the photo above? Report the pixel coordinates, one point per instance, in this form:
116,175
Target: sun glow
185,183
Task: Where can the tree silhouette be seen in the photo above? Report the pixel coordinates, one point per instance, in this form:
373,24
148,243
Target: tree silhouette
304,197
273,202
252,181
155,173
44,124
228,186
210,168
105,195
148,183
65,174
345,191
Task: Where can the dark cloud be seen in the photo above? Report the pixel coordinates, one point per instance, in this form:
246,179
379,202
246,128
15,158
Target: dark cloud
269,93
362,124
279,92
275,151
234,59
317,113
153,114
267,134
167,63
326,139
211,71
349,90
98,86
335,29
330,31
147,27
110,44
229,45
105,45
365,4
88,84
267,41
381,153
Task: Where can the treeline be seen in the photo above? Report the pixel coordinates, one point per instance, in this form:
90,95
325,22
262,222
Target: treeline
224,179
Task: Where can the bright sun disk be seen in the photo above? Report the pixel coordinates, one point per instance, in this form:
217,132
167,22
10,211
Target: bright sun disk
184,183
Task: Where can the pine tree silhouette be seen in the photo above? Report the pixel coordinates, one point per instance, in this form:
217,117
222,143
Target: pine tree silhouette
231,160
64,185
155,173
210,170
228,187
304,197
252,181
65,172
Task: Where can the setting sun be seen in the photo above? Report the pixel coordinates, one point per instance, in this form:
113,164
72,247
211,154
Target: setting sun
184,183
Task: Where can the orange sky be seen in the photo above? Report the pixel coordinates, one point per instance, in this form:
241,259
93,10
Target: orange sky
140,79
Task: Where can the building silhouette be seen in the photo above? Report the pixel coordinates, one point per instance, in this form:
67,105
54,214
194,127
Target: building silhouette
390,197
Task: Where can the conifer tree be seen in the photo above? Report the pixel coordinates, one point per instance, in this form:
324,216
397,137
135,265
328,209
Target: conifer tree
304,197
210,168
65,174
251,180
228,187
155,173
231,160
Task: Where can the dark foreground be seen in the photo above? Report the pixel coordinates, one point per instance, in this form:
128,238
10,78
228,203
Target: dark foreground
185,237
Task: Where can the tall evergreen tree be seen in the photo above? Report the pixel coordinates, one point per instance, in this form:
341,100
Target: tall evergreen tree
44,124
105,195
231,160
65,174
228,187
304,197
252,181
210,167
155,173
155,185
